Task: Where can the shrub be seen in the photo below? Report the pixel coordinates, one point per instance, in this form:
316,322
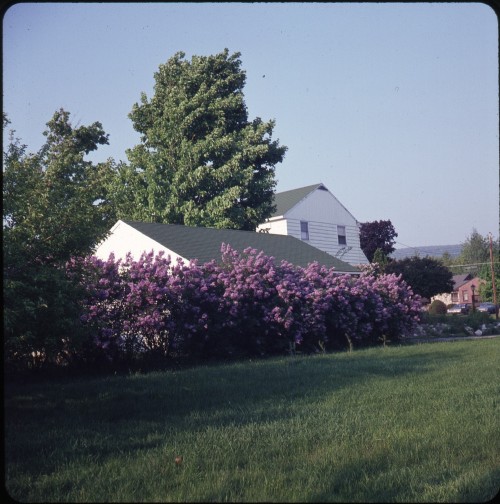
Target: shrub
41,319
477,319
437,307
246,305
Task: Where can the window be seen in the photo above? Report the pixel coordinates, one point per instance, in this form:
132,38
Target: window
465,295
341,234
304,230
454,297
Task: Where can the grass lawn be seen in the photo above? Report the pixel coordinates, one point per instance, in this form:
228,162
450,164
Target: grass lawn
416,423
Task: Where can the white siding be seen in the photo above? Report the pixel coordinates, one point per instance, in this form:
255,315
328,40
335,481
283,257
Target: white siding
124,238
323,236
321,206
323,212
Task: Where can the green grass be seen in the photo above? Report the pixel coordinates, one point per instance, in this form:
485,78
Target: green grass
401,424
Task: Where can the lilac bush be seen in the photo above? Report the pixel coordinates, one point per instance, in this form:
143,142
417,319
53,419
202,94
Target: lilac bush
146,305
245,305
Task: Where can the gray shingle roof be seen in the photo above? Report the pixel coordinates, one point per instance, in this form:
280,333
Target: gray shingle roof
286,200
204,244
459,280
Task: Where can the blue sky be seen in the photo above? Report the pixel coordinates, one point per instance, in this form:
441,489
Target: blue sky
394,107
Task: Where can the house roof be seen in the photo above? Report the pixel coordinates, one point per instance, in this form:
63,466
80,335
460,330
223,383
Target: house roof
204,244
459,280
286,200
470,281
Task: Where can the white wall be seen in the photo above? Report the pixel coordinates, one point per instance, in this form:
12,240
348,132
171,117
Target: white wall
323,212
321,206
124,238
274,226
324,236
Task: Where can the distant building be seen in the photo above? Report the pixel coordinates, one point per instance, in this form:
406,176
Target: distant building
462,290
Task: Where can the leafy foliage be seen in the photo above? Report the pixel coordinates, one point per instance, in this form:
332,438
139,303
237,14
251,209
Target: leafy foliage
381,259
201,162
54,207
486,288
246,305
377,235
475,250
426,276
54,202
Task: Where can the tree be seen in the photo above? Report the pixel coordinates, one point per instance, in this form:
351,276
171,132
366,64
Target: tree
447,259
475,253
486,287
381,259
55,207
200,162
486,291
54,202
377,235
426,276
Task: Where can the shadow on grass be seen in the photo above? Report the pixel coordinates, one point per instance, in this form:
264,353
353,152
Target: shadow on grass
344,478
55,423
346,483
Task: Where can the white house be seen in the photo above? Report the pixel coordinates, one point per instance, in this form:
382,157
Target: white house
204,244
314,215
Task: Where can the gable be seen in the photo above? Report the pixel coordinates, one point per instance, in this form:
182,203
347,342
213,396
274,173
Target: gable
312,203
322,206
124,238
286,200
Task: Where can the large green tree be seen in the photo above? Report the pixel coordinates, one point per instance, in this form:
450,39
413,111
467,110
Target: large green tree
55,207
201,162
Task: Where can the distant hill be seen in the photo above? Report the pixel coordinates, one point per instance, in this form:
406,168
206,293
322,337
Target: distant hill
431,250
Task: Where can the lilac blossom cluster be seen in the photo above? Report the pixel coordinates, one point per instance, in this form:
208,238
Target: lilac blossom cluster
245,305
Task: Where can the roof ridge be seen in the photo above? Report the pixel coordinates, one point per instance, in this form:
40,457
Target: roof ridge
302,188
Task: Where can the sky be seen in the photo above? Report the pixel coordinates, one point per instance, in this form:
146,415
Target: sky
392,106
